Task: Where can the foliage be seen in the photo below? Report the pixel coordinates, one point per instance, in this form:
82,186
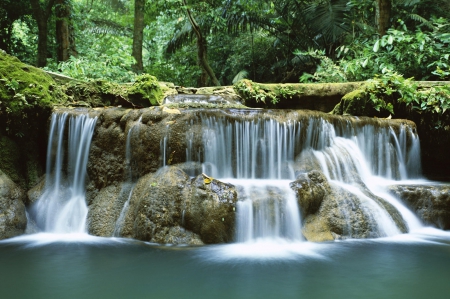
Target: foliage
391,93
109,66
423,55
326,71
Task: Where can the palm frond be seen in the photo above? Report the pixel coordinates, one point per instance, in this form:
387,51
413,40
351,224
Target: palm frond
239,76
104,26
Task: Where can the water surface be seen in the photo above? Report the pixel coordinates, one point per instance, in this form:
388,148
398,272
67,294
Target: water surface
54,266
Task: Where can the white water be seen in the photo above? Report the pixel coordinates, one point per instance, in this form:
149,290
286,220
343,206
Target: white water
258,155
369,154
62,207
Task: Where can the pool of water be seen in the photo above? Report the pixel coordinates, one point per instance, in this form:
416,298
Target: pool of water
79,266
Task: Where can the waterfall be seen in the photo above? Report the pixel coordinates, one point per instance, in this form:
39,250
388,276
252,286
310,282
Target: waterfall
367,154
256,153
256,156
62,207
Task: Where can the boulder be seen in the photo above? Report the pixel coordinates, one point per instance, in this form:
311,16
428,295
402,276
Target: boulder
210,207
105,209
169,207
431,203
330,211
13,219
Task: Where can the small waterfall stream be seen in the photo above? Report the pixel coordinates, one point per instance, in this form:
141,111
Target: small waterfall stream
130,182
62,207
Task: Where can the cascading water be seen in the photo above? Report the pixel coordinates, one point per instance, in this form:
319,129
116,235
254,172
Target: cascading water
256,152
255,156
369,155
62,207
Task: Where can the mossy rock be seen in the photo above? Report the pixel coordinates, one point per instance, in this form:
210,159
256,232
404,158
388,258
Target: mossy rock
146,91
356,102
96,93
313,96
26,93
23,86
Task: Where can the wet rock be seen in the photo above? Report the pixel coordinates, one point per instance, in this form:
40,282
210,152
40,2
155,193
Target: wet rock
105,209
330,211
34,193
431,203
210,209
167,207
13,220
311,189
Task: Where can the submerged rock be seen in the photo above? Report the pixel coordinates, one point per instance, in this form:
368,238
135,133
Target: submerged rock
13,219
431,203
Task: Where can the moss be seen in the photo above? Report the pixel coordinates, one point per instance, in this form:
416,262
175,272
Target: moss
313,96
96,93
25,92
24,85
146,91
353,103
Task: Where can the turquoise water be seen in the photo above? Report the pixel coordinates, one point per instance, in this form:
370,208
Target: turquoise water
52,266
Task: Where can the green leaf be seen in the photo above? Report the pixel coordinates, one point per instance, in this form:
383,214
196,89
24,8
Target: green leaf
376,47
390,39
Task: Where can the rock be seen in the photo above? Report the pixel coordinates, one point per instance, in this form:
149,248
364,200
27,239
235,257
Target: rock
169,207
105,209
13,219
210,208
314,96
34,193
311,189
330,211
431,203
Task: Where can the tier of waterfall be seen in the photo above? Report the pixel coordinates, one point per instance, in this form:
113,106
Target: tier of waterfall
62,207
258,153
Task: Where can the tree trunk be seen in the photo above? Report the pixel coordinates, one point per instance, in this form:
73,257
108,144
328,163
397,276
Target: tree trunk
64,31
383,15
41,15
202,50
138,35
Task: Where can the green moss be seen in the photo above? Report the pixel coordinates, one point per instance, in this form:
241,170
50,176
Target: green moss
25,92
354,103
146,91
24,85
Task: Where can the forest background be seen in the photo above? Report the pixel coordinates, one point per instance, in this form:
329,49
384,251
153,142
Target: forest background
218,42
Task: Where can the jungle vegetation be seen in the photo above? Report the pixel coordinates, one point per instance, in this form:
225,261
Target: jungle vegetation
218,42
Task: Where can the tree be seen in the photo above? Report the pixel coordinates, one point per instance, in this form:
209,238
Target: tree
41,12
202,50
64,30
383,15
138,35
11,11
